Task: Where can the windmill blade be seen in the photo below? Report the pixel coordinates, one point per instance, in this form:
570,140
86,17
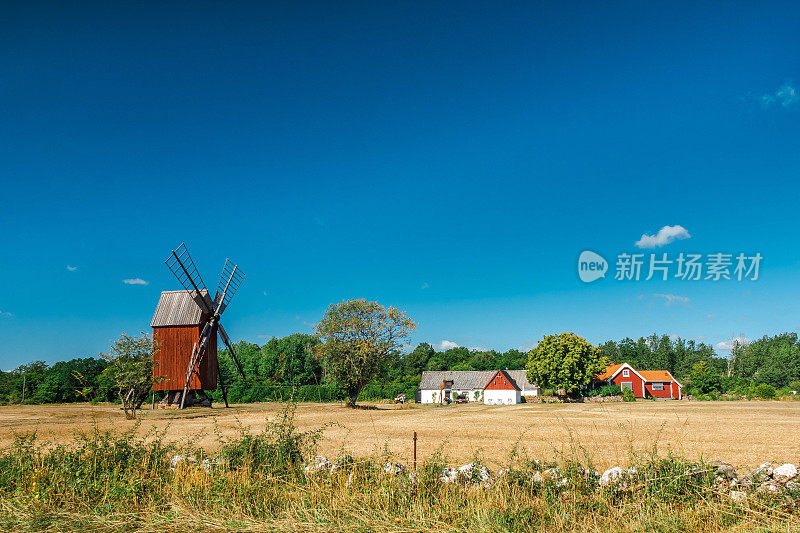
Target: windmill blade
229,282
198,352
182,266
227,342
222,385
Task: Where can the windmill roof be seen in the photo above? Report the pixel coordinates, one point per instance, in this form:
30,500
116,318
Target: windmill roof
176,308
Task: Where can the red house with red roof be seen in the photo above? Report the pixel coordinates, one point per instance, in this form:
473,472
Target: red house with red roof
643,383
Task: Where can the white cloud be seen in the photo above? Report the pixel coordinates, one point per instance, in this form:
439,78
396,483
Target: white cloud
71,268
709,317
729,344
665,235
6,314
698,337
786,95
135,281
425,285
671,299
444,345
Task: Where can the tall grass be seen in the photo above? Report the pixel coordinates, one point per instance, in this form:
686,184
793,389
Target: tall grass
256,481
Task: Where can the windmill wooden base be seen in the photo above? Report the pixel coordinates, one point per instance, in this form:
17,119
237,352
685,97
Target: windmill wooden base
172,399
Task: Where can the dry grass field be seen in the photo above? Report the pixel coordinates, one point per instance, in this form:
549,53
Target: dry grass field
743,433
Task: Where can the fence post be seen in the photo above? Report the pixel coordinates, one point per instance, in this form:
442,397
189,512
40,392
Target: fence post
415,450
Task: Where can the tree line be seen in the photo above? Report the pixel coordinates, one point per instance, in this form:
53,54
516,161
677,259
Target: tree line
290,367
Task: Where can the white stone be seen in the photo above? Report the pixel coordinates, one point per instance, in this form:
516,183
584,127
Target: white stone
320,463
208,464
611,476
394,468
738,496
785,472
180,459
468,471
449,475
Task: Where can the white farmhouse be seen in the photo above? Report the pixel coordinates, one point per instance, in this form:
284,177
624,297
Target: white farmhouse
492,387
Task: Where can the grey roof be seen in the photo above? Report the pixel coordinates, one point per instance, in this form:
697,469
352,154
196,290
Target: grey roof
462,379
470,379
176,308
521,379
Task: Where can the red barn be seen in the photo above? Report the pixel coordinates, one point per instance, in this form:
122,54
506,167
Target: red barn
643,383
177,324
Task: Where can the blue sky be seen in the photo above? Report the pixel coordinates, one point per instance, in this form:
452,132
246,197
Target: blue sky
453,159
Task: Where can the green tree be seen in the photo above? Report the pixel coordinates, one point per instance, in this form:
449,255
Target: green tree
705,378
565,362
359,338
131,368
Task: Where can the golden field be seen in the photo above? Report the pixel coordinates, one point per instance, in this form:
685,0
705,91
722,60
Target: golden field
743,433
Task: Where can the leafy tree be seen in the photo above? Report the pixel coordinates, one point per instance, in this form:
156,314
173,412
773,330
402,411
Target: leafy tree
705,378
130,367
359,338
564,362
770,360
764,391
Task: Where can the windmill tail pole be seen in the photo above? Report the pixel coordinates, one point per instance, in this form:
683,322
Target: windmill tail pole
227,342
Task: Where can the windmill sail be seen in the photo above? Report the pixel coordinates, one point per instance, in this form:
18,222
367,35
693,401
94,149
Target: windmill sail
229,282
182,266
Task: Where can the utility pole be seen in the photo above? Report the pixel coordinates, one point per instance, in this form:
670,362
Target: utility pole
23,387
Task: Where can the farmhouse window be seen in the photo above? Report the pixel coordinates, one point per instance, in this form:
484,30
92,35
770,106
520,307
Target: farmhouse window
626,373
658,386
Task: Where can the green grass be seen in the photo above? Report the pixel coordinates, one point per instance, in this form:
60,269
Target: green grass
114,481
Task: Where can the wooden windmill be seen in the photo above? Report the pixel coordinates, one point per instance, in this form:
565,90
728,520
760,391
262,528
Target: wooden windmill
185,326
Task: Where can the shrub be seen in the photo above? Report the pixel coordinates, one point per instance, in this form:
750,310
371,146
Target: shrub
279,448
794,386
612,389
628,396
764,391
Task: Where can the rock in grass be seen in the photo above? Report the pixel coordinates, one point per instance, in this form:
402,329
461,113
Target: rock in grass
449,475
724,471
738,496
209,465
762,473
394,469
475,473
785,473
181,459
612,476
746,482
770,487
319,464
343,463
